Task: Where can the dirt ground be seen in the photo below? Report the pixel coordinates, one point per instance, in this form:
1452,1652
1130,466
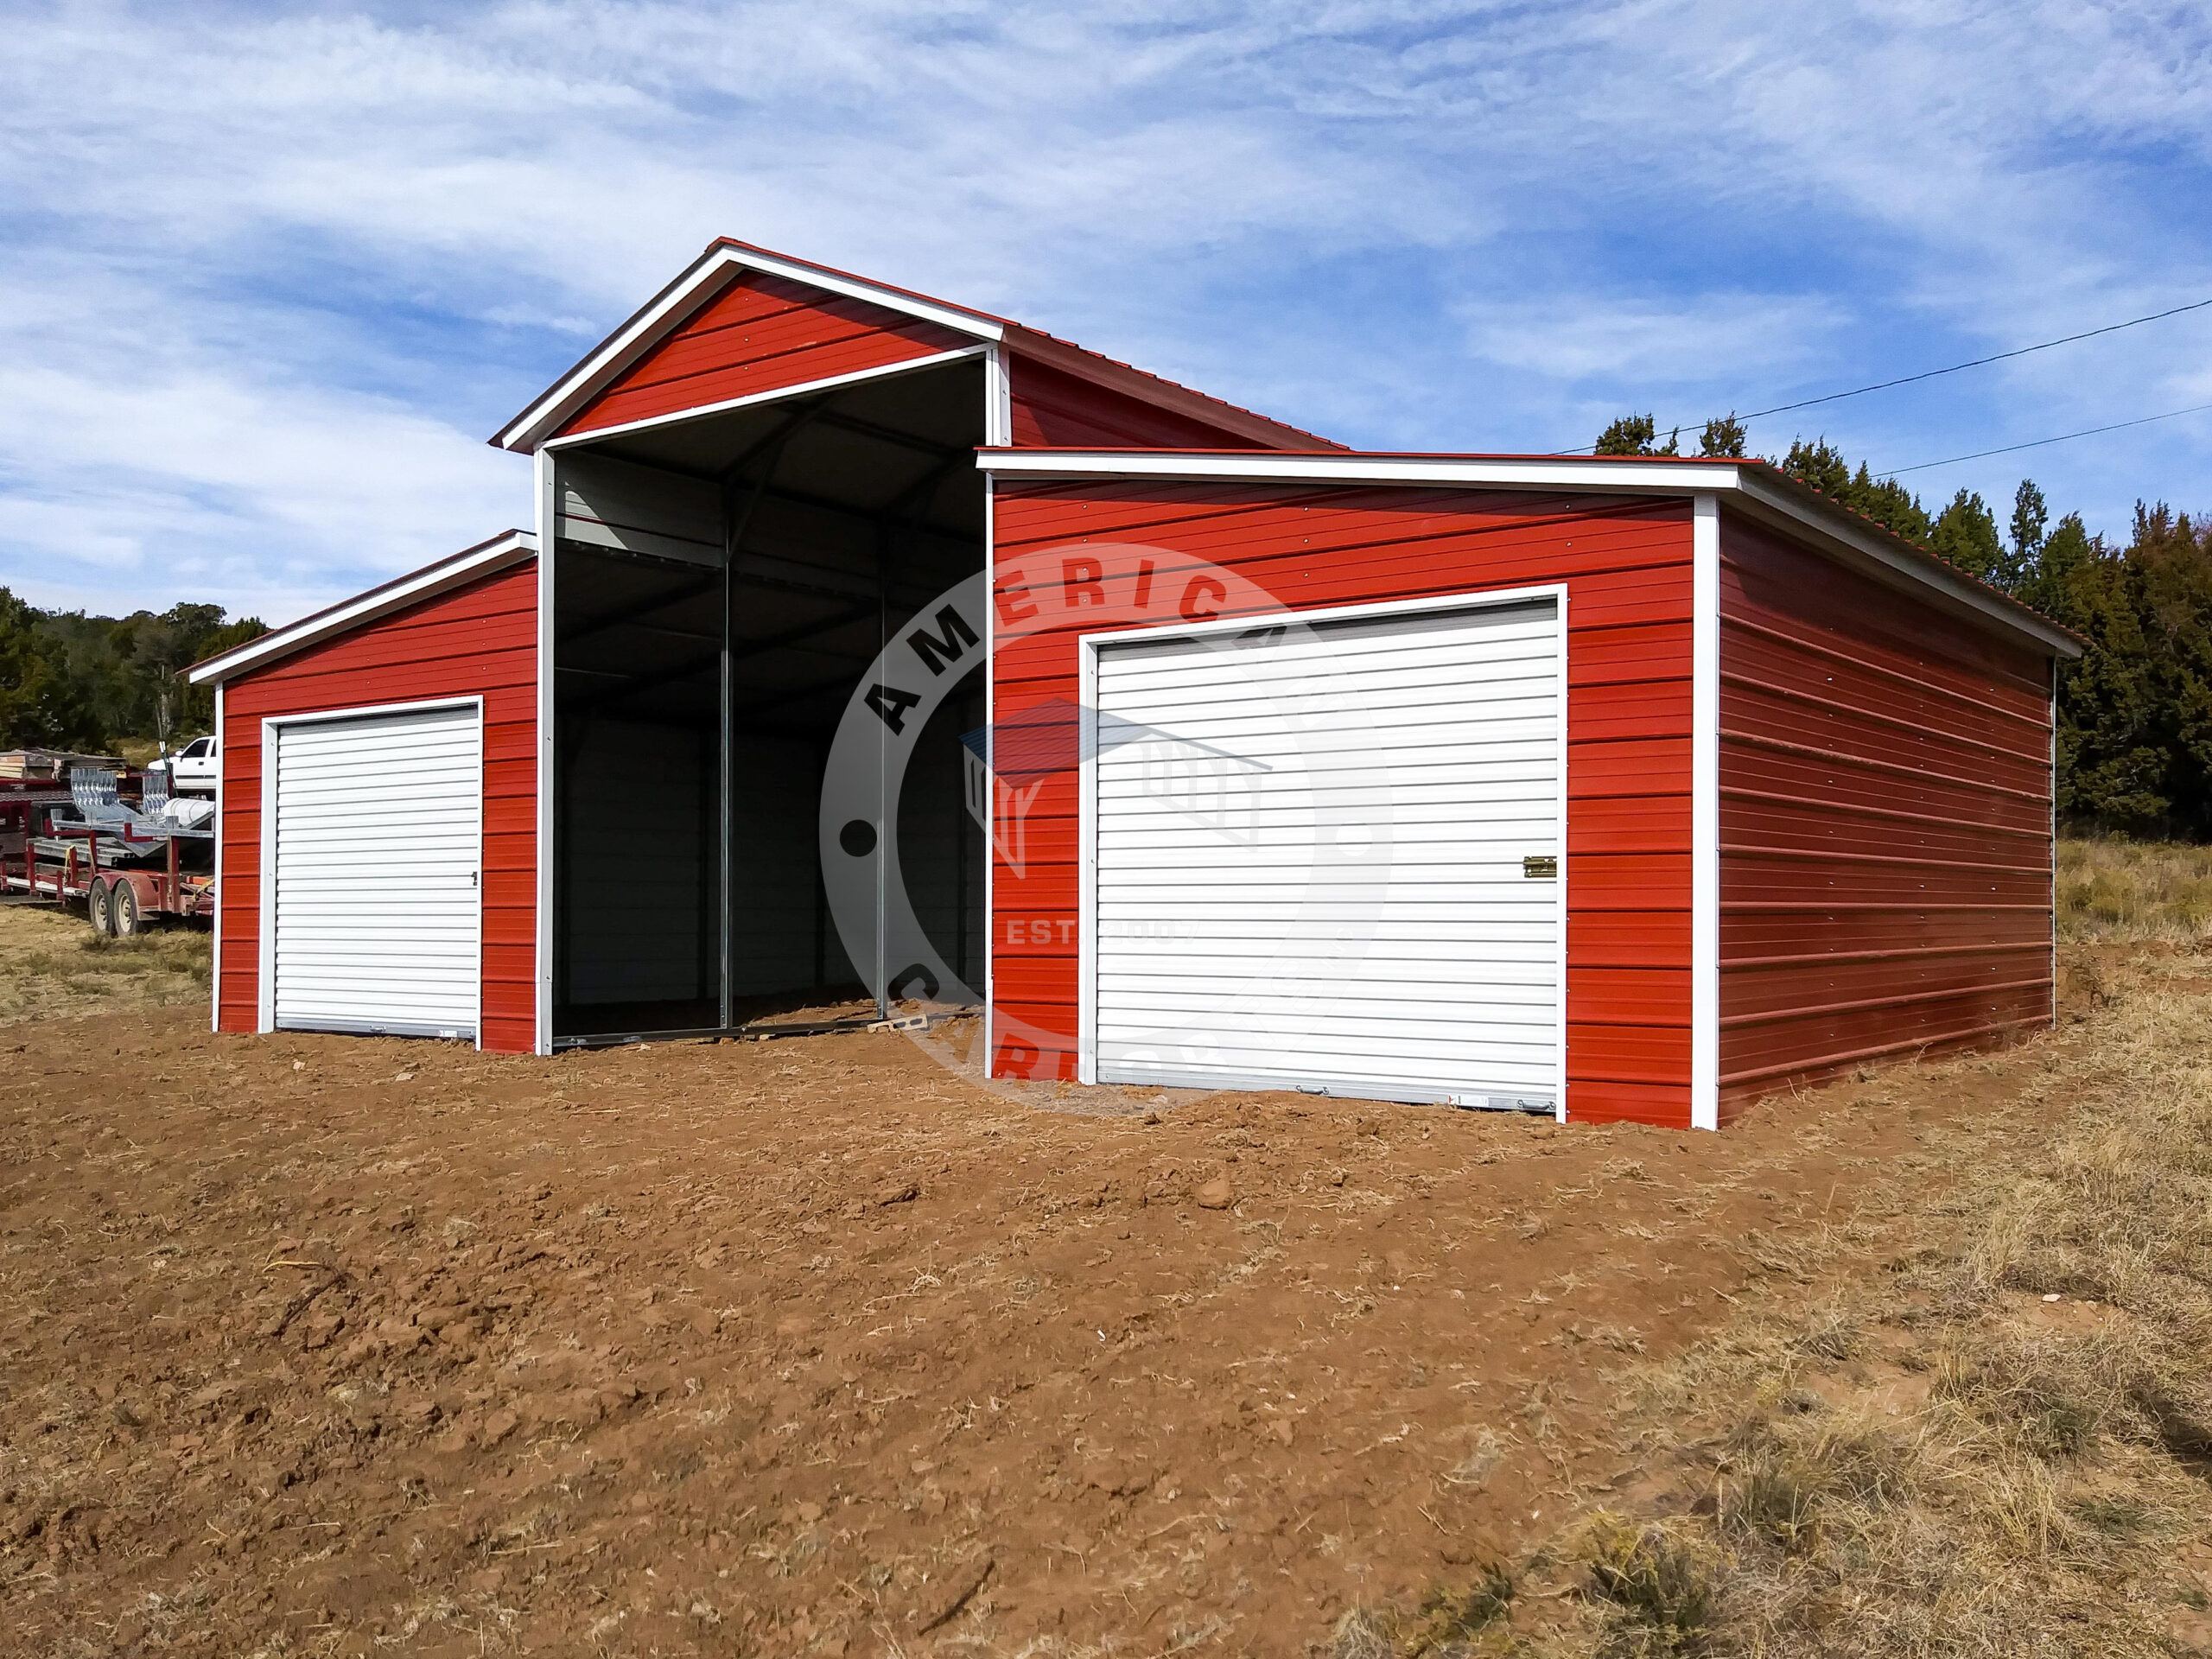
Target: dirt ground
319,1345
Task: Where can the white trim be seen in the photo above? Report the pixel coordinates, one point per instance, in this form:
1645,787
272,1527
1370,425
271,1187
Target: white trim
370,710
265,967
990,707
708,275
1566,863
1087,649
1565,473
957,318
1245,620
998,397
545,468
1705,812
222,763
775,395
511,547
1086,847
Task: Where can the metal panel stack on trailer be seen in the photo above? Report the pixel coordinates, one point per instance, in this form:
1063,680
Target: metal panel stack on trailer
112,840
1779,802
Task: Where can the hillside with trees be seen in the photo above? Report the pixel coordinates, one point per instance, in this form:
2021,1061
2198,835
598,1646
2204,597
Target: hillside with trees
70,681
2135,714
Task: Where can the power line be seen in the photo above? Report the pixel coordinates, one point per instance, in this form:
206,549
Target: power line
1976,362
2045,346
2038,443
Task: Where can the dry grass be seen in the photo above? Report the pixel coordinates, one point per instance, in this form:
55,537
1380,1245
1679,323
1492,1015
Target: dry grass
52,964
1982,1425
2124,890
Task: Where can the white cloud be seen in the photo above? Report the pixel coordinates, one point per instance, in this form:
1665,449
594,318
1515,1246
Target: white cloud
1571,338
142,465
252,261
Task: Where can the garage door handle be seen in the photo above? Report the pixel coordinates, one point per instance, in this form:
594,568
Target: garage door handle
1541,866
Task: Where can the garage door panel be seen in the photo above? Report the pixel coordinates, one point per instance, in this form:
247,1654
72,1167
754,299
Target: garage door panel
1507,1043
1381,1002
372,957
1278,880
1428,738
390,817
1344,917
1293,659
1530,960
397,996
1525,1087
1414,812
418,907
377,872
1259,708
1262,914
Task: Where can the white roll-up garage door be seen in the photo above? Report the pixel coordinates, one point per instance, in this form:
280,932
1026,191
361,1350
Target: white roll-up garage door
374,848
1327,857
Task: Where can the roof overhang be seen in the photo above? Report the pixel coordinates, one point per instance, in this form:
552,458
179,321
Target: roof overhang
1757,489
510,546
723,263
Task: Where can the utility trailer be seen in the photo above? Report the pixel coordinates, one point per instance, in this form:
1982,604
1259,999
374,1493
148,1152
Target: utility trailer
127,864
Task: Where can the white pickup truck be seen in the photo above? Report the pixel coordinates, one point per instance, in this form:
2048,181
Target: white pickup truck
191,768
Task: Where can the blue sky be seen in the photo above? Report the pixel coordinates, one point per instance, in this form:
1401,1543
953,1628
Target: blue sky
270,276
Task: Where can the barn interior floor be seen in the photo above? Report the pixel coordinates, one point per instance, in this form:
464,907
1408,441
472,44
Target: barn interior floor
620,1022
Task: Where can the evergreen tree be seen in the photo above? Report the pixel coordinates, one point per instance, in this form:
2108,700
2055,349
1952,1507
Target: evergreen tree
1888,504
1965,534
2064,549
1635,435
1820,466
2030,515
2135,714
1723,438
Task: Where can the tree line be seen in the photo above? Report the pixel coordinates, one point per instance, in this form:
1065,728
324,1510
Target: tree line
2135,713
84,683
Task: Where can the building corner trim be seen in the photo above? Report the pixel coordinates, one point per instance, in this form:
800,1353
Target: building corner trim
215,945
1705,812
542,852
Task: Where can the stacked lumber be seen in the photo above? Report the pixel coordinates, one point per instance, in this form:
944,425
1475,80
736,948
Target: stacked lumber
50,763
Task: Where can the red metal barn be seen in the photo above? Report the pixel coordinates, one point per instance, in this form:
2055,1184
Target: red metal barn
1803,800
1623,789
390,739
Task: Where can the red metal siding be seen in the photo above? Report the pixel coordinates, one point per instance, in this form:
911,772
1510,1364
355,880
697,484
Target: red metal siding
759,335
480,640
1627,566
1886,859
1055,410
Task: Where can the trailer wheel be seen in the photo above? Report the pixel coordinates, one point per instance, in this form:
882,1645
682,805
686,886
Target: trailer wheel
123,899
99,908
